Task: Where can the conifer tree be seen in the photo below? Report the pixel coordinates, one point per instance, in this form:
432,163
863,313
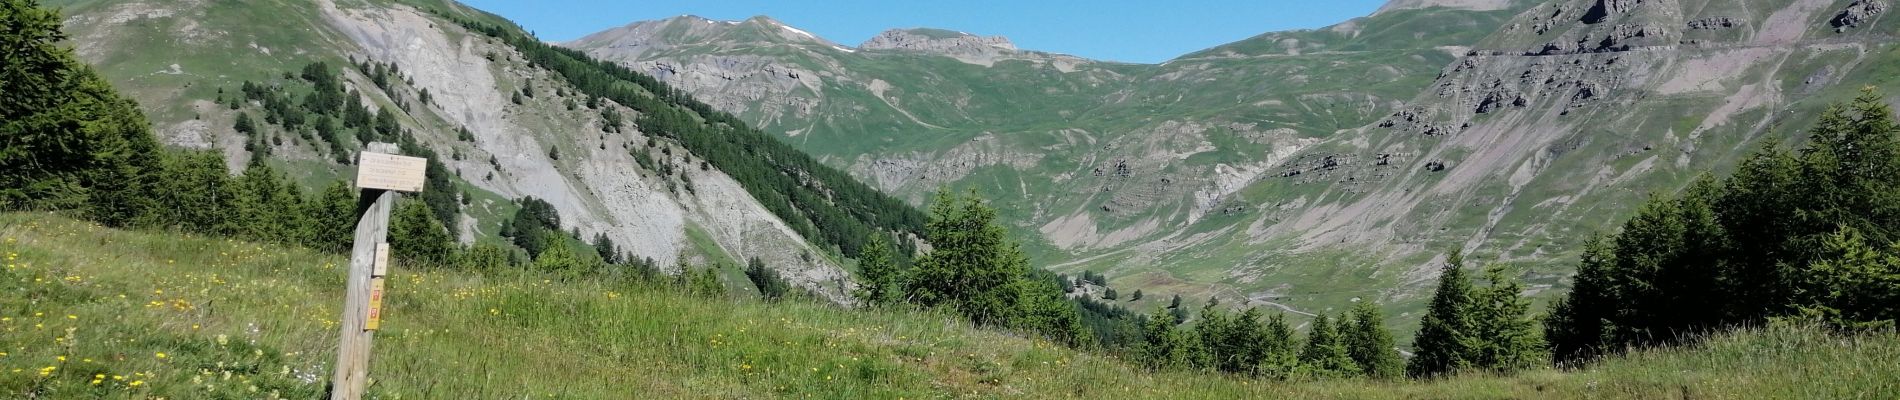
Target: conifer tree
1167,346
771,286
1578,326
334,214
971,268
604,246
559,257
1504,337
199,179
879,273
705,282
1444,334
1214,330
485,257
1324,354
71,141
1369,343
1279,350
1856,285
416,236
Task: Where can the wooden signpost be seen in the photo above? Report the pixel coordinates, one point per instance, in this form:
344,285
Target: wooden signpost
380,175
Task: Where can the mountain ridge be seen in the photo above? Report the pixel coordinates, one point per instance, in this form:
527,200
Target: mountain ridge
1311,167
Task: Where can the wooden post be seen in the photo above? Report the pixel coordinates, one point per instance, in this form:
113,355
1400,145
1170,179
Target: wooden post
379,177
352,353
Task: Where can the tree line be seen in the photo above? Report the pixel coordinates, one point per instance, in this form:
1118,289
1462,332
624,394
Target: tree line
1802,235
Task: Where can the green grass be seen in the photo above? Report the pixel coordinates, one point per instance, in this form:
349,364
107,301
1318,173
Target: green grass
240,320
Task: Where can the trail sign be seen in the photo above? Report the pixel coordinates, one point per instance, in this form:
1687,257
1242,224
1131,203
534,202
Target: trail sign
390,172
374,320
380,175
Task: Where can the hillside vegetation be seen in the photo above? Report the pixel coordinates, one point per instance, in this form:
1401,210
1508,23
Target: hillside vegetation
90,311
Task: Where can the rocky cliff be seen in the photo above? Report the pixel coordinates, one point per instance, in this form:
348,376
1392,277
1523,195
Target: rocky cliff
698,214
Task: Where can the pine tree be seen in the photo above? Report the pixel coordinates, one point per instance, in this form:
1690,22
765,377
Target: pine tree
1279,350
244,125
416,236
1504,338
1579,327
1756,207
1856,286
1043,309
767,280
530,225
1444,334
705,282
71,141
200,180
559,257
879,273
1325,355
1213,331
1369,344
485,257
971,269
334,214
604,246
1166,345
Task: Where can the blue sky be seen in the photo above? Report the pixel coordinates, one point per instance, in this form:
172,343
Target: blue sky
1145,31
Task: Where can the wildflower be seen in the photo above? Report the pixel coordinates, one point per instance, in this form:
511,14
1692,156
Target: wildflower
161,355
136,383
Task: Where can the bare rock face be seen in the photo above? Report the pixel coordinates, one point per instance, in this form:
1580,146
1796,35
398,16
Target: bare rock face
1604,9
959,45
1714,23
1857,13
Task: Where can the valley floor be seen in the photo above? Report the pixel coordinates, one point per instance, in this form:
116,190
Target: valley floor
91,312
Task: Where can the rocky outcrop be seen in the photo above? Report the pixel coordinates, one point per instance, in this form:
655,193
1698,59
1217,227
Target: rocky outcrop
981,50
1857,13
936,41
1603,10
1715,23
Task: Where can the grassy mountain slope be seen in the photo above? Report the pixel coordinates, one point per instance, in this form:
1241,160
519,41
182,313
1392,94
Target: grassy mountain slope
159,314
182,58
1305,169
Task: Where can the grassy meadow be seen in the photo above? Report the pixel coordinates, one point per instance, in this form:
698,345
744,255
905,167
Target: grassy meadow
92,312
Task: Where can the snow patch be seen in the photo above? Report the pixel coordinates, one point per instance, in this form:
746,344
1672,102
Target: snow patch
798,31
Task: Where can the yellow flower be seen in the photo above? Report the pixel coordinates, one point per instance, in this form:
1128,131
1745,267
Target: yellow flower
136,383
70,316
161,355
